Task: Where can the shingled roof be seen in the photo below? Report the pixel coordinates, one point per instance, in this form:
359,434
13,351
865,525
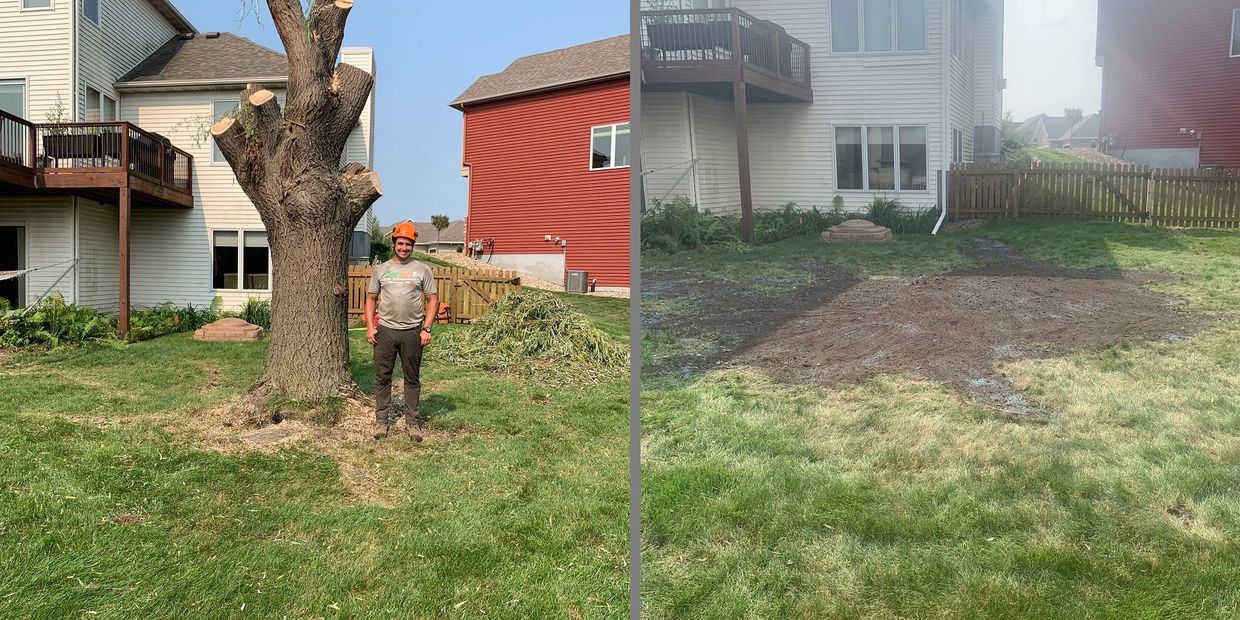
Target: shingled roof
560,68
213,57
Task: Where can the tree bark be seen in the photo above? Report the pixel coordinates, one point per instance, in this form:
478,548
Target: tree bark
288,163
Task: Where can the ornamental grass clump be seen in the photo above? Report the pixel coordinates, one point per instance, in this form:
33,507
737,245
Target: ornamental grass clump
533,332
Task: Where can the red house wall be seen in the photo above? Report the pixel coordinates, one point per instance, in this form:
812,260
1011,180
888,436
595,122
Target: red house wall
1167,65
529,162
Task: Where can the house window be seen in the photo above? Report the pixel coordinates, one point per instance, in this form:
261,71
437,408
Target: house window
36,4
90,9
878,25
1235,33
220,109
108,105
957,146
240,260
93,98
881,158
13,97
609,146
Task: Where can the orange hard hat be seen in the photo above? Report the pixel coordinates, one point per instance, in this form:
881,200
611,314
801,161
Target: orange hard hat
405,229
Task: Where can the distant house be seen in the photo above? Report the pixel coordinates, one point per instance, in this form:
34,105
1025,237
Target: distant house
748,105
1171,81
431,241
546,154
123,207
1059,132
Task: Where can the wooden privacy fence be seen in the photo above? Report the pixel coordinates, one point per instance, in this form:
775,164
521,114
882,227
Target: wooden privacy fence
468,293
1109,192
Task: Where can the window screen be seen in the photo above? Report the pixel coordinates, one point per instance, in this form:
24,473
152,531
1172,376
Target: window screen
13,98
848,157
256,261
845,26
225,260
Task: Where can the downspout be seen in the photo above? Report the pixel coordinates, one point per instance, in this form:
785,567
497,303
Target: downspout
945,130
73,56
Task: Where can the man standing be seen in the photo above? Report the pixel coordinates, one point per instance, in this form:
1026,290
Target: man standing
402,327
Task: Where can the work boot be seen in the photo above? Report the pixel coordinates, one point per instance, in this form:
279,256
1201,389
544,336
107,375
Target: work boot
413,425
379,429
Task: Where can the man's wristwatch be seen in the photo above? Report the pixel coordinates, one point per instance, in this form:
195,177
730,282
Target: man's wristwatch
426,329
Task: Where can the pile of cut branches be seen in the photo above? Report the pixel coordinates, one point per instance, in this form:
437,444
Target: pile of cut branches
534,333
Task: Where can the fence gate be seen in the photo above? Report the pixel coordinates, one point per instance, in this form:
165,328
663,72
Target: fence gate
468,293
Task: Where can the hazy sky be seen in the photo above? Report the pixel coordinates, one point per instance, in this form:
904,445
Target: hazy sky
1049,57
427,53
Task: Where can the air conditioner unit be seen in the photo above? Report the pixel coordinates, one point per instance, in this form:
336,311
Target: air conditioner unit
578,282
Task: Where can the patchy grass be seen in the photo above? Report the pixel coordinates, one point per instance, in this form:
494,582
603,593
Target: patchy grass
789,263
105,513
896,498
1052,155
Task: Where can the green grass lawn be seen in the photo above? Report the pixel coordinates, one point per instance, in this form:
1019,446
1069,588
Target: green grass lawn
1052,155
897,498
105,513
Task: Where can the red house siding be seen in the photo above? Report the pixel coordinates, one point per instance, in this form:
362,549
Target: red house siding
529,176
1167,65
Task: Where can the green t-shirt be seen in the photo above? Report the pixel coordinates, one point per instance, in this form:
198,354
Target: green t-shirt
401,288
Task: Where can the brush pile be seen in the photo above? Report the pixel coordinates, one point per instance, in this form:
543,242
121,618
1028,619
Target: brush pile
532,333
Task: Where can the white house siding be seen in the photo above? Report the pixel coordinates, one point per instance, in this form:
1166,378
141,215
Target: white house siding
988,67
714,146
792,145
98,250
128,32
34,46
361,145
171,247
961,69
49,241
666,147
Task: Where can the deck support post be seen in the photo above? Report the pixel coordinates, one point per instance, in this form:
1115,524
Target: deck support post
125,199
741,106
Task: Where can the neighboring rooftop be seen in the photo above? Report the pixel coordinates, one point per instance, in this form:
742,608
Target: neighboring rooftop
590,62
213,57
454,233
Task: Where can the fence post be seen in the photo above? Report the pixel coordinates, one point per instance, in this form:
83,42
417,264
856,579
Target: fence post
1148,179
1015,192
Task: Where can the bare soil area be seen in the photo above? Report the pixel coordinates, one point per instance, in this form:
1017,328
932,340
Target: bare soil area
956,329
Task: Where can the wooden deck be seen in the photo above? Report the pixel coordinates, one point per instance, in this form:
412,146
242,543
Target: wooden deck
708,50
93,160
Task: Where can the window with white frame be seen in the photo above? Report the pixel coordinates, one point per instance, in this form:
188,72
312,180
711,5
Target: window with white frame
1235,33
881,158
957,146
878,25
13,97
609,146
219,109
99,107
240,260
90,10
36,4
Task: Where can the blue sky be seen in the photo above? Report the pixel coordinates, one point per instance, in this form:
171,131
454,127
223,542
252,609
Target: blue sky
427,53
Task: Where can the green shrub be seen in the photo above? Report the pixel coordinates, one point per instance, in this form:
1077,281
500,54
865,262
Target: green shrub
257,312
901,219
772,226
54,323
167,318
4,305
679,226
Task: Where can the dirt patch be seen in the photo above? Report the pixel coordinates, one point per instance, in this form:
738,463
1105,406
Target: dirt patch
957,329
242,426
213,377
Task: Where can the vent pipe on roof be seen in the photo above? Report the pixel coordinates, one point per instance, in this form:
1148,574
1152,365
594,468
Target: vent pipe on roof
212,35
185,36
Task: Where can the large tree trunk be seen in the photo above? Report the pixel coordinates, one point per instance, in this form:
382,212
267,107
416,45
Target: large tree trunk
288,163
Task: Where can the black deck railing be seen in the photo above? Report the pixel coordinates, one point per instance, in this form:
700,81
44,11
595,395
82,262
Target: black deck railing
721,38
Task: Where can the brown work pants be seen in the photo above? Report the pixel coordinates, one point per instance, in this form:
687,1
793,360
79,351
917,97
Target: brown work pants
390,344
